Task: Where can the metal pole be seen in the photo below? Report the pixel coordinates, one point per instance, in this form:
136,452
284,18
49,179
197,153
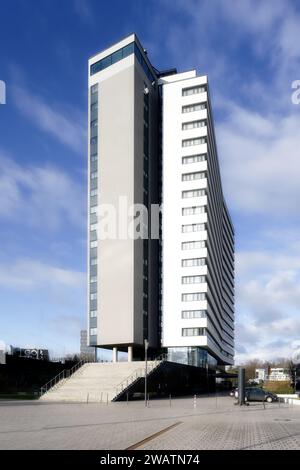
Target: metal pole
146,372
241,386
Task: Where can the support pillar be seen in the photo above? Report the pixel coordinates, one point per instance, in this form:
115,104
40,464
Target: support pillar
130,353
115,354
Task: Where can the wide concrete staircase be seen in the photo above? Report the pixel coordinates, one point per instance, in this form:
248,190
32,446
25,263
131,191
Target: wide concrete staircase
98,382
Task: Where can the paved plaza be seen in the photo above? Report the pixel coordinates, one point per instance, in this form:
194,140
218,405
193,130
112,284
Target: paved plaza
214,423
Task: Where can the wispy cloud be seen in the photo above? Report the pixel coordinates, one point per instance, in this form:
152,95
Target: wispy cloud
30,274
84,10
260,161
67,126
268,299
41,196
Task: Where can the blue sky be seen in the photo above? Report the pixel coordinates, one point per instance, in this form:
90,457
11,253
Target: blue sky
251,53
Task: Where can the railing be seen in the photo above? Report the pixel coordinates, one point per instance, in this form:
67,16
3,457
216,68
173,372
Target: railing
139,373
63,375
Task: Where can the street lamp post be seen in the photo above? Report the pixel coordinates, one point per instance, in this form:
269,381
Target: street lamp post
146,342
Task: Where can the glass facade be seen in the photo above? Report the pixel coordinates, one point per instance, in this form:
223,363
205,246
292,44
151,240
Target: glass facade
120,54
146,204
93,301
192,356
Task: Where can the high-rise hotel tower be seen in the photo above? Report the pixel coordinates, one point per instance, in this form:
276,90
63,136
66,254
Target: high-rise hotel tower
152,141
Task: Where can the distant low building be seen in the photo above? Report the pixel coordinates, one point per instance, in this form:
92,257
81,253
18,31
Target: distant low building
279,374
260,375
2,352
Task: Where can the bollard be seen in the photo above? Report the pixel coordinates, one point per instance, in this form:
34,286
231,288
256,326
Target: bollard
127,398
170,400
264,403
148,401
195,401
107,398
87,399
101,397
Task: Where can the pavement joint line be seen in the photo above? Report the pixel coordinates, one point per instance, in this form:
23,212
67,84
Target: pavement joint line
153,436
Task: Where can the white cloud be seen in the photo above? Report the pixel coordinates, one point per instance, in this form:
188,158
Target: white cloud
84,10
30,274
42,196
260,157
67,126
268,303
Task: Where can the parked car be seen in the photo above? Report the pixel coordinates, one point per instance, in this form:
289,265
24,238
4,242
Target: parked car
258,394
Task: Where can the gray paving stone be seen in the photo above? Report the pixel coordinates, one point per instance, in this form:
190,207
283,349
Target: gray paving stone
214,424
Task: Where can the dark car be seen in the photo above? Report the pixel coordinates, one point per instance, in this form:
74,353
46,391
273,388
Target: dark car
258,394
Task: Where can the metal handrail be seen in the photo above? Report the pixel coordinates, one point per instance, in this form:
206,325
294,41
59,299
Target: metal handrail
139,373
64,374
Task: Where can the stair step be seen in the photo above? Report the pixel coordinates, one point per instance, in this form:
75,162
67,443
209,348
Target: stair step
92,379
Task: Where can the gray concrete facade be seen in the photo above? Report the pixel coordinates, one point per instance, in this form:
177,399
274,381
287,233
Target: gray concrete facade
126,268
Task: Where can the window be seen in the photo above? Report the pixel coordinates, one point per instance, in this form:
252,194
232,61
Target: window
94,158
94,192
94,210
193,245
116,56
93,261
93,227
193,193
192,279
189,314
94,88
193,331
198,175
186,126
94,244
93,279
193,297
127,50
193,90
93,331
94,174
93,296
94,106
193,210
188,228
93,201
94,123
193,159
195,141
94,140
119,55
189,263
93,313
193,107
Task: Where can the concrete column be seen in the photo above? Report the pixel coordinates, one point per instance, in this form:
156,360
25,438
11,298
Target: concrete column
129,353
115,354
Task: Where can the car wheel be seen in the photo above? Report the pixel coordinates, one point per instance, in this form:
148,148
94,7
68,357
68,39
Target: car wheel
269,399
